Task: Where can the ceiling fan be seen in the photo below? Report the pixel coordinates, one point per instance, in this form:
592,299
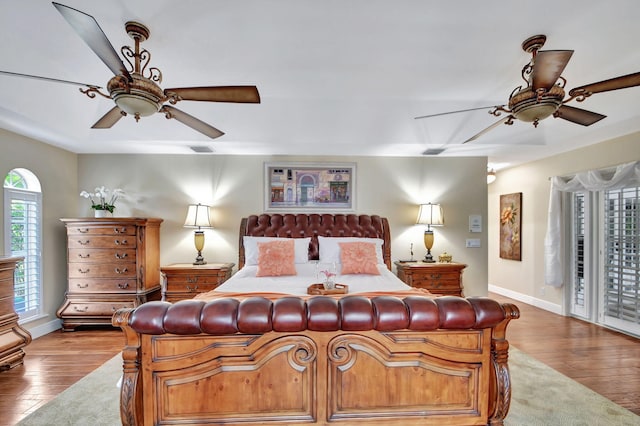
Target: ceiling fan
544,95
135,89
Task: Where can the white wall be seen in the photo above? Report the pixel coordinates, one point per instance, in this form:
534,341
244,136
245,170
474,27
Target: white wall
163,186
524,280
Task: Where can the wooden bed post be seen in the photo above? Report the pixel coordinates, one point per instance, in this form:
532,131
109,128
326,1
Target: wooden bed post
501,380
131,412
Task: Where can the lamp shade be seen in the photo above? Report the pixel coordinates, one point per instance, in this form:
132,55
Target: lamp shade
430,214
198,217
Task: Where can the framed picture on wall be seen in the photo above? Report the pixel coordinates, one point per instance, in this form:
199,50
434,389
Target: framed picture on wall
511,226
309,187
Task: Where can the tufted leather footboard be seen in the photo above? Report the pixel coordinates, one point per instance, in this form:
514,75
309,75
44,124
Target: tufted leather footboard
380,360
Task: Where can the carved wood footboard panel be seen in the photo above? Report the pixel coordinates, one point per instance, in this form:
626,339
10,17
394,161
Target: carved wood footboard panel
453,374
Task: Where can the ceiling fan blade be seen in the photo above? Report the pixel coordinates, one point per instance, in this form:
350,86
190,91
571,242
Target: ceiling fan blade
88,29
578,116
240,94
456,112
191,121
548,66
622,82
109,119
55,80
488,129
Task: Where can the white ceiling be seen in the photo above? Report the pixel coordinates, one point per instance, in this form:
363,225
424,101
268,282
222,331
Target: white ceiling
336,77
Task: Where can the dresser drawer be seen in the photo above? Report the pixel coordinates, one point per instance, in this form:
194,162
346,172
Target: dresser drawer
102,241
101,255
181,280
98,308
102,270
194,288
436,282
87,285
101,230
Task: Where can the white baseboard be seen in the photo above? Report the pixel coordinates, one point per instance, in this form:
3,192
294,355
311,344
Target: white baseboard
525,298
46,328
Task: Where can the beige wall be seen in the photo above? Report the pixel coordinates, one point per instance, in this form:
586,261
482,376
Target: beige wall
524,280
163,186
58,174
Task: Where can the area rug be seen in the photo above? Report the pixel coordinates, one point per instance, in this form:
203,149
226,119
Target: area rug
541,396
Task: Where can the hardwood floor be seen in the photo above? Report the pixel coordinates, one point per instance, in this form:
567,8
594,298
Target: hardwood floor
53,363
601,359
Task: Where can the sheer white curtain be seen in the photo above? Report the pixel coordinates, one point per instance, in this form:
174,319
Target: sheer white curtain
625,175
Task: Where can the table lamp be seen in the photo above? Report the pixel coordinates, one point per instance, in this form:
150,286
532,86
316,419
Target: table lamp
430,215
198,217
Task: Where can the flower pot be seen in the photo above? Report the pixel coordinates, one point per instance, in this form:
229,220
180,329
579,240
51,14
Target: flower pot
102,213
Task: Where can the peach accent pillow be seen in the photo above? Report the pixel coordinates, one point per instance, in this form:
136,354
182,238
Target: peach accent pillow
276,258
359,258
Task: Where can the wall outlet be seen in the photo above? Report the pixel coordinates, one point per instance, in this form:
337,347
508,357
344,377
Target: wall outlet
473,242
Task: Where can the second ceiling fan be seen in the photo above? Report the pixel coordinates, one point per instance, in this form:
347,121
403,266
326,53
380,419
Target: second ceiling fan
544,94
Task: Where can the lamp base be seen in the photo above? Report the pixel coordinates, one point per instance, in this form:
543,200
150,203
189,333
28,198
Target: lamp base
200,260
428,258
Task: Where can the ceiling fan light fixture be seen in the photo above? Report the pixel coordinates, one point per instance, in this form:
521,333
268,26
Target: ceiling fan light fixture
140,97
526,105
136,105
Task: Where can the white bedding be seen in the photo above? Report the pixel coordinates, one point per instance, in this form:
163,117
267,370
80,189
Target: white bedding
245,281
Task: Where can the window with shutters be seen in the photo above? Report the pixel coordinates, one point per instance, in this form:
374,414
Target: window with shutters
621,299
605,257
22,230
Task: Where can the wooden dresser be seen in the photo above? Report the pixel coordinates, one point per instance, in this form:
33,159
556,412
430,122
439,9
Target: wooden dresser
184,280
438,278
12,337
113,263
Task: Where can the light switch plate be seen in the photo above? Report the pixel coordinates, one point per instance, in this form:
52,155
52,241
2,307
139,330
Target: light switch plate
475,223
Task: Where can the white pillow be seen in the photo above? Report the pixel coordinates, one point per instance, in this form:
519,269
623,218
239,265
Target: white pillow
330,250
301,248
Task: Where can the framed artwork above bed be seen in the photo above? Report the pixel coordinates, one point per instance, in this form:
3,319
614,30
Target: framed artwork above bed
314,187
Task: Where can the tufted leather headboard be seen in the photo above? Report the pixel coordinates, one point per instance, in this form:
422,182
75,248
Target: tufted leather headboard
314,225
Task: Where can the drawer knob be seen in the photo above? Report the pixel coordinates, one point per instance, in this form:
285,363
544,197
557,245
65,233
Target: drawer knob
77,309
82,230
121,271
84,271
85,285
192,289
123,286
83,243
121,256
83,256
119,230
192,279
121,243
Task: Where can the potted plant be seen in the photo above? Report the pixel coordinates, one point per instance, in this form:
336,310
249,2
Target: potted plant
103,200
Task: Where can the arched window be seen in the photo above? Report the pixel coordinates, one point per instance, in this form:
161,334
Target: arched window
23,237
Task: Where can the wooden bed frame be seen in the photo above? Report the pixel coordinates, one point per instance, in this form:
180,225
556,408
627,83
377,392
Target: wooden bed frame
388,360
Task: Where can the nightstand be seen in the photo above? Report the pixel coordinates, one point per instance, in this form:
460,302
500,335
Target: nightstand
438,278
185,280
